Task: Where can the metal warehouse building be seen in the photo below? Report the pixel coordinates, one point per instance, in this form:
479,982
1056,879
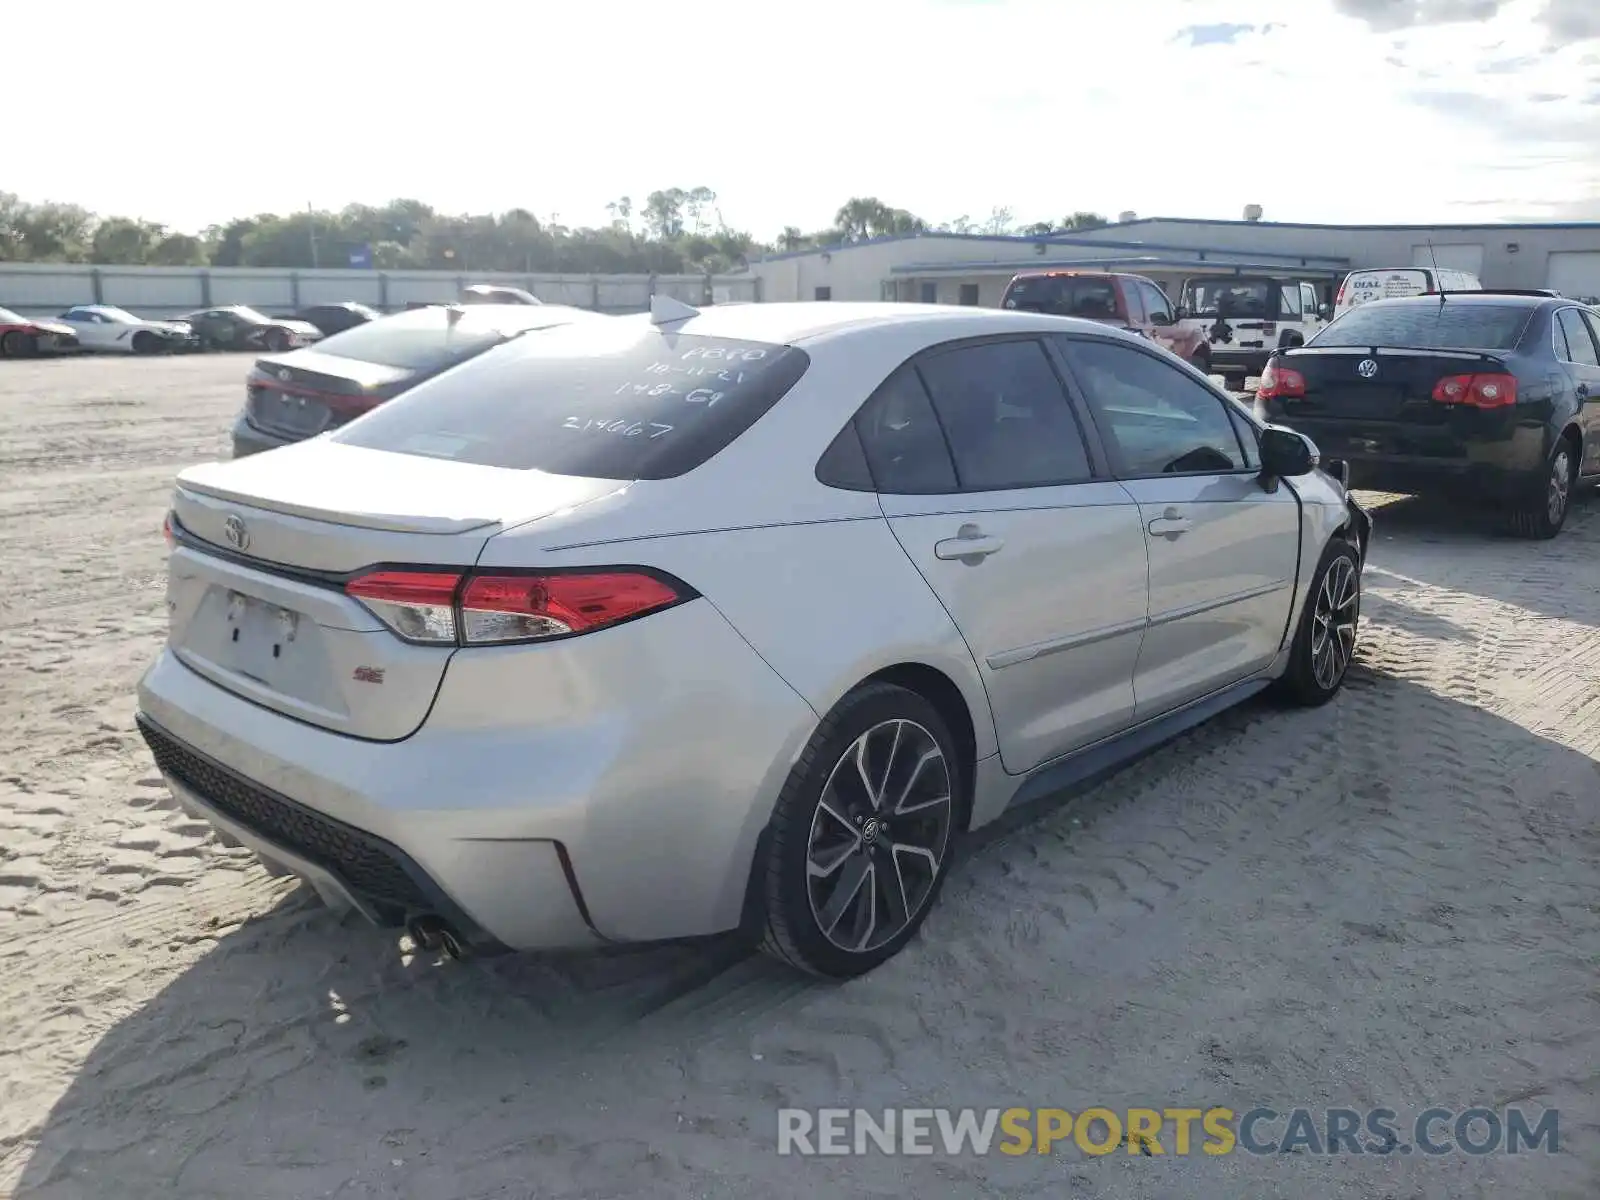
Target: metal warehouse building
951,268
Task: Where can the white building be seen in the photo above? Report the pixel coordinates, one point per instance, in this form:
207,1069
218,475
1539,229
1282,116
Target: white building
951,268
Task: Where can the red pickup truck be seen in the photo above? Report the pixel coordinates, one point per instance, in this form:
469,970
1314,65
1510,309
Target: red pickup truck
1129,301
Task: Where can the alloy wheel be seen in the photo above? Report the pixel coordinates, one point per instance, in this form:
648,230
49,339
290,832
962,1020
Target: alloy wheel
879,835
1560,487
1333,623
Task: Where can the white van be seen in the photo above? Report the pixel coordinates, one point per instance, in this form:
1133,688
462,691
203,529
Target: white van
1379,283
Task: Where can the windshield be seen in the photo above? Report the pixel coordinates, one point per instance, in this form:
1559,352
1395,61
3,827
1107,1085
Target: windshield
1227,297
119,315
1089,296
1429,325
607,399
421,339
7,317
250,314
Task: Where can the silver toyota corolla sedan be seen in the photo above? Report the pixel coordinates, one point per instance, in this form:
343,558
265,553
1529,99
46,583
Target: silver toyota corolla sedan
738,618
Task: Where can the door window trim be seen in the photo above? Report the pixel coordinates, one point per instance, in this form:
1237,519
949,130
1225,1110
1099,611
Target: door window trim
1081,397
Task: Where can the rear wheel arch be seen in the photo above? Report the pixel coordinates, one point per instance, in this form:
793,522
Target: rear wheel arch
939,690
1574,434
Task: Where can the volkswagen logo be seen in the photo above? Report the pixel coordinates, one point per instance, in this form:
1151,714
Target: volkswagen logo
234,530
1367,368
283,373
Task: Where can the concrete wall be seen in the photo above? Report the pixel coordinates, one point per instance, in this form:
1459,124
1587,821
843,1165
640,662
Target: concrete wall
45,288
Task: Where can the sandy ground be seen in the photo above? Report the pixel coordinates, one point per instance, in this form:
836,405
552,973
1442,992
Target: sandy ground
1392,902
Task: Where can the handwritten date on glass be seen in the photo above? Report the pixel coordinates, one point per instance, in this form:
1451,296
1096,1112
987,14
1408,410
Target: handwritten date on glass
650,429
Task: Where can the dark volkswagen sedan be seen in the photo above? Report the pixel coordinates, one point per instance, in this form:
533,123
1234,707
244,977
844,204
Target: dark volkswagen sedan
298,395
1491,396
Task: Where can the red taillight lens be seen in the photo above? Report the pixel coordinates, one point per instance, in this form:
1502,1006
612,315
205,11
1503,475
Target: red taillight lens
1279,382
418,605
1477,391
514,608
166,530
1340,298
443,608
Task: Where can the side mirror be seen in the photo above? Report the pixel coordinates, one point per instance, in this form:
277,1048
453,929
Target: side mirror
1325,311
1161,318
1180,313
1286,454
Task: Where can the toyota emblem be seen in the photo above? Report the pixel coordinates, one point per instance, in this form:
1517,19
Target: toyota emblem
234,530
1367,368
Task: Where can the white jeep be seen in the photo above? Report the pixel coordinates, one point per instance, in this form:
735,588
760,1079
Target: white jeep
1246,317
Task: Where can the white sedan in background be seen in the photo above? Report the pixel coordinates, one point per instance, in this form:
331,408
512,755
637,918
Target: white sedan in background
106,327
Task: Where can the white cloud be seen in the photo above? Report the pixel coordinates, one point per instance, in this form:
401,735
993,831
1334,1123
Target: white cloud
942,106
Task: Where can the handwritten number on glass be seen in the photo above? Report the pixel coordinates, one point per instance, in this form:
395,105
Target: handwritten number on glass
650,429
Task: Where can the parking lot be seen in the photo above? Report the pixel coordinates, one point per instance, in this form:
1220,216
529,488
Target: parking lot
1390,902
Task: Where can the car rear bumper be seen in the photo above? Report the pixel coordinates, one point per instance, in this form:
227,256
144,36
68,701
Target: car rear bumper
247,439
1227,359
1497,463
524,813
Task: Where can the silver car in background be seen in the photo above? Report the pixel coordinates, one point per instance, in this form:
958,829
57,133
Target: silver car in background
674,624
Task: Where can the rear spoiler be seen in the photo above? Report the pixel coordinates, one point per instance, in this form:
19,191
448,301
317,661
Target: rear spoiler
1487,356
1543,293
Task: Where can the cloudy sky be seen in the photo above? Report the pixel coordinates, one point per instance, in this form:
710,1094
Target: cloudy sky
1318,110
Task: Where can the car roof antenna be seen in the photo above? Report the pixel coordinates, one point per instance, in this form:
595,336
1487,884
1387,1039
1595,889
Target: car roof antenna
664,310
1437,278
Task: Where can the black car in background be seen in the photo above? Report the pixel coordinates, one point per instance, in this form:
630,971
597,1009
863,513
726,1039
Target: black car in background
240,327
1490,396
336,318
298,395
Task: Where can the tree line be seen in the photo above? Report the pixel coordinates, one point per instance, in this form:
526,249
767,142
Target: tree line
674,230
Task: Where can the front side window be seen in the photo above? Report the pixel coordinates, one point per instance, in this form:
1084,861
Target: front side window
1155,302
607,399
1156,420
1289,301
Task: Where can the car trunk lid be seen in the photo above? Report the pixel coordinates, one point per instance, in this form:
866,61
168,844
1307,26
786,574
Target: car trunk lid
306,392
264,548
1376,383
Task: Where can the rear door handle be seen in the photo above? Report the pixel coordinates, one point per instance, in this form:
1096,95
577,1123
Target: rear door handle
1170,524
970,545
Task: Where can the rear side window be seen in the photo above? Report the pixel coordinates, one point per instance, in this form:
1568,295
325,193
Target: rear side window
609,399
420,340
1090,296
1003,411
1575,339
904,445
1429,325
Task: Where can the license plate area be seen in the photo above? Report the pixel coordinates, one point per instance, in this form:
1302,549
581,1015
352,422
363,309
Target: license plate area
289,413
261,637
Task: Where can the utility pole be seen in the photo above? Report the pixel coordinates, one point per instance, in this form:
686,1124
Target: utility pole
311,214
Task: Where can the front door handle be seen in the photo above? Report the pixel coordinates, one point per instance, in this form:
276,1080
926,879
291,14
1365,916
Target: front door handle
1170,524
970,545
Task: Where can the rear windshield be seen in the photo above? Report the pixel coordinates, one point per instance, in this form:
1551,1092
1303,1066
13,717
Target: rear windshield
1429,325
610,399
1064,295
1227,297
1361,287
418,340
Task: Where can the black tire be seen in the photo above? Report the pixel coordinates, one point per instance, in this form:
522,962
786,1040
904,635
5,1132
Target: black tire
145,342
804,831
1544,510
276,341
17,344
1201,361
1308,680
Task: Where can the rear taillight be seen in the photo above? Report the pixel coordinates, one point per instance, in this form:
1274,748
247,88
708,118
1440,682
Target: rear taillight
1279,382
446,608
1477,391
166,530
1339,300
418,605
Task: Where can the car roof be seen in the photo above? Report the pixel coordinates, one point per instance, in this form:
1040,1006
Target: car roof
792,322
1050,273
